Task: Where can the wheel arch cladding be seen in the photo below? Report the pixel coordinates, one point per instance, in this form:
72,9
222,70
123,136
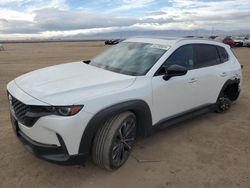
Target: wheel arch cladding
139,107
231,89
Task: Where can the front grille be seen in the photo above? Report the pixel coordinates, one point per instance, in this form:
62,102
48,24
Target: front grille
20,109
22,112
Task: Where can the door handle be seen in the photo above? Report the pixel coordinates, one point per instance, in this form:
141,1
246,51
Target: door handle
223,74
192,80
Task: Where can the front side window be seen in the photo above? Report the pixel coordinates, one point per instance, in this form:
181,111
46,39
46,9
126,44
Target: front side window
183,56
130,58
206,55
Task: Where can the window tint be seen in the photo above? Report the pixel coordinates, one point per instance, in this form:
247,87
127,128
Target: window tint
223,54
206,55
183,56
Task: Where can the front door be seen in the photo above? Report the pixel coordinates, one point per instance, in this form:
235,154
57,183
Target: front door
176,95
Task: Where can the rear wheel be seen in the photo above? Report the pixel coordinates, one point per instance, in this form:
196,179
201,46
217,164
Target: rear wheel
114,141
223,104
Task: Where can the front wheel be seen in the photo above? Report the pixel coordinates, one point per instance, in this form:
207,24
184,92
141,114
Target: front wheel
114,141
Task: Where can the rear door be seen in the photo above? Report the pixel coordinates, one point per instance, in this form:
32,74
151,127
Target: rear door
212,71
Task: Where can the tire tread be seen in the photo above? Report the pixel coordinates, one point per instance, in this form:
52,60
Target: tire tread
102,140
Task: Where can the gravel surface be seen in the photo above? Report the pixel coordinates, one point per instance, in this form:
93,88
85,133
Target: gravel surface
212,150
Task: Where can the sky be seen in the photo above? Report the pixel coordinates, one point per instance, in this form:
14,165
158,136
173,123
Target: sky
63,18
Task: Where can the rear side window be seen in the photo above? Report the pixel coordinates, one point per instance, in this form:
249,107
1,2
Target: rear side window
207,55
223,54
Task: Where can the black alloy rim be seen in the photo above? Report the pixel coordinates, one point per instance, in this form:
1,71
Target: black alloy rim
123,141
224,104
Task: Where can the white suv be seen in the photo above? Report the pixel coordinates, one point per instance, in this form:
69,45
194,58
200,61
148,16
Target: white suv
67,112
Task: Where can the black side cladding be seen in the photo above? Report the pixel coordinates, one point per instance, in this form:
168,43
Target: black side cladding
138,107
226,88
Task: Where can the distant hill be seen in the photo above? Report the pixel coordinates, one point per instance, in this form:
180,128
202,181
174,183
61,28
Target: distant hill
136,33
159,33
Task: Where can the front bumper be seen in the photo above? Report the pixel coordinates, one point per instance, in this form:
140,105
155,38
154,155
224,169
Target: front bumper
53,138
49,152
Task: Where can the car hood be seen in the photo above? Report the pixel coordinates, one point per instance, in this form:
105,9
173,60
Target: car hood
71,83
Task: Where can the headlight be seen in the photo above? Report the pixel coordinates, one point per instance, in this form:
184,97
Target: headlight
65,110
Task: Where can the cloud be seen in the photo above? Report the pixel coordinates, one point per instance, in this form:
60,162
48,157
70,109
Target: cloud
53,19
44,18
43,4
16,15
156,13
31,5
17,26
132,4
196,14
10,1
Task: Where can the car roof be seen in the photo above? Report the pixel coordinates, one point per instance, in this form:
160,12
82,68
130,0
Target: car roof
171,41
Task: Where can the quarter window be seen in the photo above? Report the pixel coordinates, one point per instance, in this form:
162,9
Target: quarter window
223,54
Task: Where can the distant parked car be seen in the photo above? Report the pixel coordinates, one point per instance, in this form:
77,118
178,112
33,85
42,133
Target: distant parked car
219,39
1,47
238,42
212,37
113,41
189,36
108,42
229,41
246,42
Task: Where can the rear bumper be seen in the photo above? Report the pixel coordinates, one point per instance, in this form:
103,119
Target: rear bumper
51,153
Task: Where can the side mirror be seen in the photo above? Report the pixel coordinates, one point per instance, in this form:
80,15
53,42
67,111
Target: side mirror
174,70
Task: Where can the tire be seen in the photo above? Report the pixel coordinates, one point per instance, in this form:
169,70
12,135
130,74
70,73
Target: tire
223,104
114,140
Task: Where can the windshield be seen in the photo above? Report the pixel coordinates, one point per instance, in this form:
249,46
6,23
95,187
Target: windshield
130,58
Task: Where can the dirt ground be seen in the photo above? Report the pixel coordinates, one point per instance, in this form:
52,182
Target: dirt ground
212,150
